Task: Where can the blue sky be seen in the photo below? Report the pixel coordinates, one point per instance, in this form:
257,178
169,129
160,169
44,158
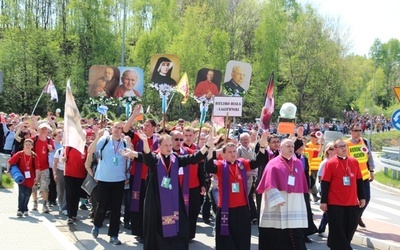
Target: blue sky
366,20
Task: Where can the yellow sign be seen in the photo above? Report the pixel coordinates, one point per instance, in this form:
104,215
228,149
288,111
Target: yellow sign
397,92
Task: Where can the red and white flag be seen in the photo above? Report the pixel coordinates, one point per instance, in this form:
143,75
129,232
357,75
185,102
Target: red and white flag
268,108
51,89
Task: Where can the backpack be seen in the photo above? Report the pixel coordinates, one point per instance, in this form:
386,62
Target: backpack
36,138
104,145
33,158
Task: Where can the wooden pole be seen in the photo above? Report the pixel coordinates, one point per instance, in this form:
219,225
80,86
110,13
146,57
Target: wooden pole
227,127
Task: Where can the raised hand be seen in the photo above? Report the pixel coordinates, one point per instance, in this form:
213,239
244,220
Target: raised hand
142,135
264,138
300,131
137,110
210,141
100,132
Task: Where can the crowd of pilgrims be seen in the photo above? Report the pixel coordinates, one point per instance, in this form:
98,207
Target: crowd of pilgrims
159,180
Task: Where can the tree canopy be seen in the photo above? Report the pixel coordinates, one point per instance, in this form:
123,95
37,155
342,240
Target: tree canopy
62,39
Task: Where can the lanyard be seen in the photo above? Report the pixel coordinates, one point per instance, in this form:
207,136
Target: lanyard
345,168
167,169
290,168
235,175
116,148
27,163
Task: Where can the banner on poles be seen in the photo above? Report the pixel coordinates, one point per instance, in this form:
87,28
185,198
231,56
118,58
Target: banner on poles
164,69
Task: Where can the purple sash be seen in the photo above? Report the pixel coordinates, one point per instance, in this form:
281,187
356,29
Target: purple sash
185,184
137,178
270,154
225,194
303,162
169,198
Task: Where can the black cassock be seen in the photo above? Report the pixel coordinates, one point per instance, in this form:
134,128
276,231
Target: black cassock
153,232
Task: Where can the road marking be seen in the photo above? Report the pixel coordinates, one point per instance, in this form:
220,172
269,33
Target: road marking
390,201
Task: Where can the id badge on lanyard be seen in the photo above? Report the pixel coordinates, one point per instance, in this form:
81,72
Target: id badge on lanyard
291,180
346,180
235,187
166,182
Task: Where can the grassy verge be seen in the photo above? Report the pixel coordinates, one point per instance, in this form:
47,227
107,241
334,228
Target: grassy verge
386,139
6,181
386,179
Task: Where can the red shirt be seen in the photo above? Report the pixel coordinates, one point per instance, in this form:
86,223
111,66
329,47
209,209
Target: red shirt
194,168
75,164
145,169
334,171
42,151
235,199
25,163
180,174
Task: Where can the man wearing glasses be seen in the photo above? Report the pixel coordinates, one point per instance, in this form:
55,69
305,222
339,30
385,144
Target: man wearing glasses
183,174
111,177
342,194
360,149
197,183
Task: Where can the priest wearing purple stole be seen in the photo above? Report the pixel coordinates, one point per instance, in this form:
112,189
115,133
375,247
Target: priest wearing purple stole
233,222
283,213
166,224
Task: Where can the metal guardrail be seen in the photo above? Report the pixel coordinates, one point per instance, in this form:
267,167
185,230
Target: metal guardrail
391,160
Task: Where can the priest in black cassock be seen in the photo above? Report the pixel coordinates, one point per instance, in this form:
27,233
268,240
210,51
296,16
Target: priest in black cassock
166,223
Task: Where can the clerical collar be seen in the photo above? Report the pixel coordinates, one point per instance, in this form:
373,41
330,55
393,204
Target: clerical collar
288,159
341,157
355,141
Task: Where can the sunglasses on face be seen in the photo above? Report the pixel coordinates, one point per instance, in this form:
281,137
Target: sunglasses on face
178,139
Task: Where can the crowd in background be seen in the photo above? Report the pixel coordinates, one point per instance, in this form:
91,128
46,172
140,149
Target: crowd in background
61,171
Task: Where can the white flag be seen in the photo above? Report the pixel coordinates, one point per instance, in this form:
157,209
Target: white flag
73,134
51,89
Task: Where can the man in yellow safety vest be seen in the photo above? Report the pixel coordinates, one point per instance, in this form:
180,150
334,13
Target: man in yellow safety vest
360,149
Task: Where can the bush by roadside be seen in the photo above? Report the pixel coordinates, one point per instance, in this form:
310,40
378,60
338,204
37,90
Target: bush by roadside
6,181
